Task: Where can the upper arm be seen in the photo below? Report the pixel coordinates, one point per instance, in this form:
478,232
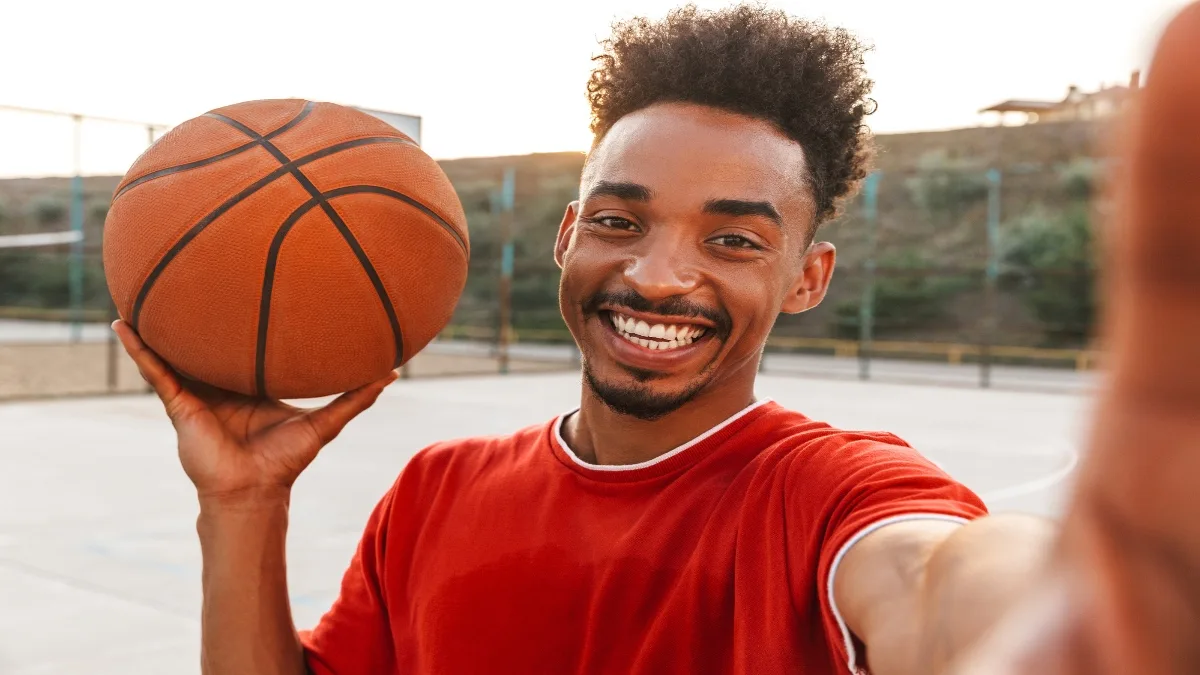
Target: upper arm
863,494
876,585
937,588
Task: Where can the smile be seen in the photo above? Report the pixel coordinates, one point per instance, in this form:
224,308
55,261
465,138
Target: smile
659,336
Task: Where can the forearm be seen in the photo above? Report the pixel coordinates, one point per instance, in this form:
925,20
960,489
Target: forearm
246,619
973,577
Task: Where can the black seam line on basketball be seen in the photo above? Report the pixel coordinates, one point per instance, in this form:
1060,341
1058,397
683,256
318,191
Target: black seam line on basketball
185,167
268,285
308,107
236,125
196,229
312,189
363,260
375,189
372,274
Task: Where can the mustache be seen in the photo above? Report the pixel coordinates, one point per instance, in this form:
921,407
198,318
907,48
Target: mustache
677,306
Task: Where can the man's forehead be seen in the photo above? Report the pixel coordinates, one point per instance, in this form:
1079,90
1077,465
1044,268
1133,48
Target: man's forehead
676,146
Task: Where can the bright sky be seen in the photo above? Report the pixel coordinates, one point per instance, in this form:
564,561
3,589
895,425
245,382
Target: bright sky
496,78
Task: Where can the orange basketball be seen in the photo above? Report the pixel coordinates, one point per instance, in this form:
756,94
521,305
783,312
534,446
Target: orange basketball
286,249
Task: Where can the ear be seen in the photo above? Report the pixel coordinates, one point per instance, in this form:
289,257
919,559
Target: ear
810,285
566,232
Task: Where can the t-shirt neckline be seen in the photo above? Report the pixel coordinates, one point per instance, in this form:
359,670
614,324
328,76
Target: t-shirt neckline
674,458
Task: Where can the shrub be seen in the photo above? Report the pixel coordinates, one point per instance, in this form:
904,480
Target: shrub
1079,178
945,186
1049,262
49,211
909,294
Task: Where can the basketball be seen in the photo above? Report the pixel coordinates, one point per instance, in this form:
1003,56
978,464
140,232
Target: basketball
285,249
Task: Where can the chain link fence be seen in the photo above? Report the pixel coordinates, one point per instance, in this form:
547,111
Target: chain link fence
948,270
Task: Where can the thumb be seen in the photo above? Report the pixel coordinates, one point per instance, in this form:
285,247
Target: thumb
329,420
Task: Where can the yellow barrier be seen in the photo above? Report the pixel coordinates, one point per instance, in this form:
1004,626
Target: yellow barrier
1084,359
953,353
59,315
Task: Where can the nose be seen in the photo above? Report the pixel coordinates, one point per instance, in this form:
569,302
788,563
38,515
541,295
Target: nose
661,268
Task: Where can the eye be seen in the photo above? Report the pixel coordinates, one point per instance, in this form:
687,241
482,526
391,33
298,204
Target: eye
612,223
735,241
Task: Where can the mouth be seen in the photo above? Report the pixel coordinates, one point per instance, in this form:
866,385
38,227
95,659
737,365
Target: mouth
655,336
655,342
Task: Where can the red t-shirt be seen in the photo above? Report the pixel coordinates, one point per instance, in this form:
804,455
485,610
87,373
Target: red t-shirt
509,555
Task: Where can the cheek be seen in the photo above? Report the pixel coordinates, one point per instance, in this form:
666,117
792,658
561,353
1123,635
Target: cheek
753,302
586,268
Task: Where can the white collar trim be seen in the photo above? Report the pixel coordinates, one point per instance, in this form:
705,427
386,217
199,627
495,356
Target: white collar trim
562,443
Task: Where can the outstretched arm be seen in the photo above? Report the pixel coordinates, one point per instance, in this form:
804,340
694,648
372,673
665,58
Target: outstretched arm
1120,592
919,592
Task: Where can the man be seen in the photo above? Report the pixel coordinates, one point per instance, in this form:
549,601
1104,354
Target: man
674,523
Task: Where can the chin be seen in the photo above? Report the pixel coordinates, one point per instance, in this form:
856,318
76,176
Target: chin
644,395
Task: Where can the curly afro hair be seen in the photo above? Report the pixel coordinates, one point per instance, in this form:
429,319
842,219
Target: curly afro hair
802,76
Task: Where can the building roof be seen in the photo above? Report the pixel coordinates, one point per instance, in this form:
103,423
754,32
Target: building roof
1018,105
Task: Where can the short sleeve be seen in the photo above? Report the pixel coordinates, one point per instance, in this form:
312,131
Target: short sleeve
857,483
353,638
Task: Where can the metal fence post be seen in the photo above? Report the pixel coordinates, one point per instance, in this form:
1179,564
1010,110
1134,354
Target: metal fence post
994,178
75,266
866,308
507,197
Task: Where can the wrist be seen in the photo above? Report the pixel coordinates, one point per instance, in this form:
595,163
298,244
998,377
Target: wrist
241,522
245,500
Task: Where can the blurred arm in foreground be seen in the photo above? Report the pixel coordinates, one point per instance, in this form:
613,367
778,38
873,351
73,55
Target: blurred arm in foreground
1122,594
1117,590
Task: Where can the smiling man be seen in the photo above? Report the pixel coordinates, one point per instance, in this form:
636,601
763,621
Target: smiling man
674,522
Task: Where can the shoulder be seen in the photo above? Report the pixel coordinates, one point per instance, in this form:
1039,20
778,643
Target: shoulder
818,458
459,459
804,440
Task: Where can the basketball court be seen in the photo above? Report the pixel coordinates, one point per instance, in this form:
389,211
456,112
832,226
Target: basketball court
100,565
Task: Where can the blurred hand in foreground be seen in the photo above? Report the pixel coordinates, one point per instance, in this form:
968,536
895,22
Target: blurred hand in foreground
1123,592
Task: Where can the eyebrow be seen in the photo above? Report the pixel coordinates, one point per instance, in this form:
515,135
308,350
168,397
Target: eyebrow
737,208
628,191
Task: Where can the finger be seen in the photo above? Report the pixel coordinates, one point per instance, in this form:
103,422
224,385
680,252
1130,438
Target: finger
1153,253
160,376
177,400
329,421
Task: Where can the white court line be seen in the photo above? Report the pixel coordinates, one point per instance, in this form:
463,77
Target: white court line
1035,485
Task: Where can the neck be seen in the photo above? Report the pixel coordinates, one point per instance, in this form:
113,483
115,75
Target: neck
599,435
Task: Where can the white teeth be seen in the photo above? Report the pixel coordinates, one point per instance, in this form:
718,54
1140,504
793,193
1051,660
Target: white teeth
665,336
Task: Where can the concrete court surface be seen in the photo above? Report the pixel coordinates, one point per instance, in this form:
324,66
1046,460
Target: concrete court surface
100,566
